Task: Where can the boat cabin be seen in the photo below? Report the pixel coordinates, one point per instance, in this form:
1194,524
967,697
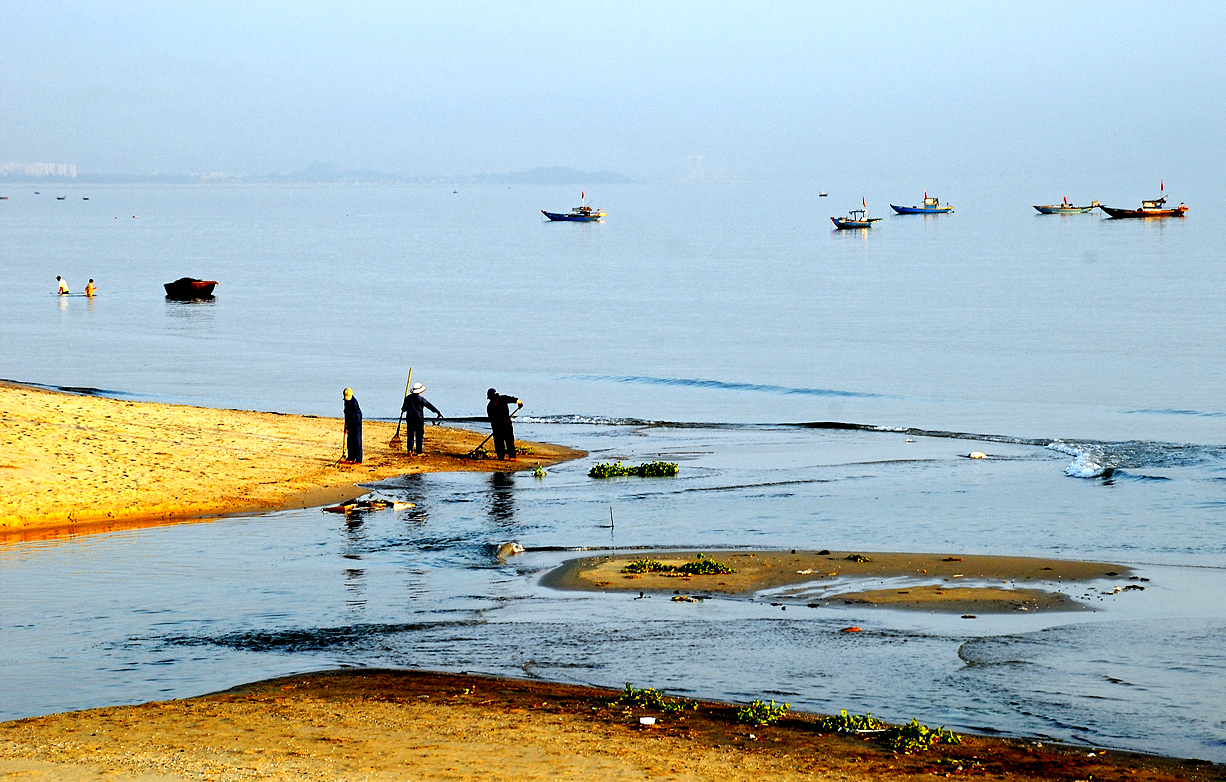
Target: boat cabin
931,201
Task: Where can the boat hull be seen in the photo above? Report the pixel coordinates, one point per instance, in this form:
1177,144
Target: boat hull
1058,209
558,217
922,210
1120,214
190,288
844,224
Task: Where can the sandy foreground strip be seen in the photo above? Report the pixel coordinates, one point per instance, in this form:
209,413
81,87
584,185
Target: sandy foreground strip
85,463
405,725
992,583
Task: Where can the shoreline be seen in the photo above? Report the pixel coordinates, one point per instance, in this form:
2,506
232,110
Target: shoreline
409,724
964,584
76,464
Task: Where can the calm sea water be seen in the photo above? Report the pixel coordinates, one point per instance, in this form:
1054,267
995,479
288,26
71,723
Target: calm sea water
711,326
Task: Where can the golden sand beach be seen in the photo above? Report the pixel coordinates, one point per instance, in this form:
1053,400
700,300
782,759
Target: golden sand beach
82,463
410,725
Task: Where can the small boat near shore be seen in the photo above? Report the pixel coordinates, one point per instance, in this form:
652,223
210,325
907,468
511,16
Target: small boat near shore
190,288
580,214
1064,208
932,206
856,218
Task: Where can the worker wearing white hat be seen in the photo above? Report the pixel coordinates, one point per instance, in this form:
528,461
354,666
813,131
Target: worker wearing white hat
414,409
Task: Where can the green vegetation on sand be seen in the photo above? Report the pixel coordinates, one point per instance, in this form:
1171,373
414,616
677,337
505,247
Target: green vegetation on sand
646,470
701,566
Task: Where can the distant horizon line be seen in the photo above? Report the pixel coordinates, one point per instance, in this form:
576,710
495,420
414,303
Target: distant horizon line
329,173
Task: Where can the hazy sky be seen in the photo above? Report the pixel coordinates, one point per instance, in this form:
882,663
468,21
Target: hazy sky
759,90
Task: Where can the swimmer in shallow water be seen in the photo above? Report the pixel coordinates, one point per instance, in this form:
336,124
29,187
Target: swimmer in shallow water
63,290
91,289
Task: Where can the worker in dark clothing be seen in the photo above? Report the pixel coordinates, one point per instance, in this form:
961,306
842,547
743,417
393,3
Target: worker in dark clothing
353,429
499,412
414,409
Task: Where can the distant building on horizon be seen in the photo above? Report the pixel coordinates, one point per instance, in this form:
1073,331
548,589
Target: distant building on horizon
39,169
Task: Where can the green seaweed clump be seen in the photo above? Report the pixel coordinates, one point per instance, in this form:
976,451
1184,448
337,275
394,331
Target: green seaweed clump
850,723
646,470
651,698
647,566
760,714
701,566
914,737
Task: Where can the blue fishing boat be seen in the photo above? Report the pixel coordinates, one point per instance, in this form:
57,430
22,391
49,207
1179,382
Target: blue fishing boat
1065,208
932,206
580,214
856,218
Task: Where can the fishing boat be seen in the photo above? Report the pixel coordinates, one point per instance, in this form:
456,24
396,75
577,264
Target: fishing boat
190,288
1155,208
932,206
856,218
1064,208
580,214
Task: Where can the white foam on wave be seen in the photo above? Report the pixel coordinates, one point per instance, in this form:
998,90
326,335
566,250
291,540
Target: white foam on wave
1083,464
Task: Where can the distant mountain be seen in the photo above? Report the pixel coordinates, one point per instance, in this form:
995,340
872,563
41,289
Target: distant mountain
557,175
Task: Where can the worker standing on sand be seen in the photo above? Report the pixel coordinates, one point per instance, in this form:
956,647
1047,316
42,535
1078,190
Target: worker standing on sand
353,429
91,289
499,412
414,409
63,291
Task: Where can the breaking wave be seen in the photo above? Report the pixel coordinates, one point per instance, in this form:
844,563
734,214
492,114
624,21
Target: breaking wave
1111,460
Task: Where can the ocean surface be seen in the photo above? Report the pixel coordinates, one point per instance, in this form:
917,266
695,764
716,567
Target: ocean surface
819,389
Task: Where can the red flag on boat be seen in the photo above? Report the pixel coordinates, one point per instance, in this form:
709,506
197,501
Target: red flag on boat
1161,187
582,195
863,203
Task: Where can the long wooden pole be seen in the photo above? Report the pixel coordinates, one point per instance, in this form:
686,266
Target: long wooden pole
395,441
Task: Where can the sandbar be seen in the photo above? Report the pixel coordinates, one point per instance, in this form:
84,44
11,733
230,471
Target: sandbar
72,463
962,583
411,725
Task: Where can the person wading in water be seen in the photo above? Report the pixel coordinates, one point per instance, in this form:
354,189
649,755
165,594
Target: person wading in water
414,408
499,412
353,429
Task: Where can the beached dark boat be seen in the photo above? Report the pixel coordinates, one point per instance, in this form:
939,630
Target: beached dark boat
1064,208
856,218
1155,208
190,288
580,214
932,206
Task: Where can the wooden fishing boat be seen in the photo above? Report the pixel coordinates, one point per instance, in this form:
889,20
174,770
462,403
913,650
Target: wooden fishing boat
190,288
932,206
580,214
1155,208
1065,208
856,218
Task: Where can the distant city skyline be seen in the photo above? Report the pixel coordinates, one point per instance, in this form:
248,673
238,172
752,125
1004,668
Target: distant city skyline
39,170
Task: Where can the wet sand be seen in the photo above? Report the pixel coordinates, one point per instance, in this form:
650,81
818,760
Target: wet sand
405,725
71,463
961,583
